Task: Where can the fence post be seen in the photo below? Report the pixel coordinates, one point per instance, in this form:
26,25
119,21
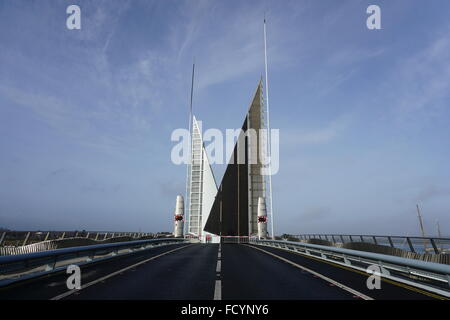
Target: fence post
106,234
63,235
47,235
375,239
96,237
390,242
410,244
436,250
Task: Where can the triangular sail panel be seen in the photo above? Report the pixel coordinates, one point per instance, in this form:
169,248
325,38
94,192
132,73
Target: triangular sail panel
202,186
209,189
235,208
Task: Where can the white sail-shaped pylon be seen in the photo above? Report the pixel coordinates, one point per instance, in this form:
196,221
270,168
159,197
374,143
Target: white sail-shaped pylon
202,187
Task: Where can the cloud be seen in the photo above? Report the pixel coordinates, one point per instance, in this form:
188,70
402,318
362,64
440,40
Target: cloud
316,136
231,45
352,55
170,189
49,108
80,124
423,82
432,192
312,214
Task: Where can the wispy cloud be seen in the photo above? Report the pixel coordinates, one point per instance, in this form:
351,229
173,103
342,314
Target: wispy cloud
432,191
352,55
234,45
313,214
77,123
423,82
325,134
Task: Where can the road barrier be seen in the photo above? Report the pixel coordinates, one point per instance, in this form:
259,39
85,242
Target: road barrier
63,243
24,266
430,276
22,238
434,245
234,239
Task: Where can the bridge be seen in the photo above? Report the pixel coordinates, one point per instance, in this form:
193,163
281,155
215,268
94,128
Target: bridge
237,268
222,249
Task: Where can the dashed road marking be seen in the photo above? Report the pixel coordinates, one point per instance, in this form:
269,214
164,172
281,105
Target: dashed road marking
218,290
219,266
218,286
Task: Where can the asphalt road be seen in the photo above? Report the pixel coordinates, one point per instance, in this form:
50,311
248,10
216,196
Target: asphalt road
251,274
200,271
389,290
47,287
187,274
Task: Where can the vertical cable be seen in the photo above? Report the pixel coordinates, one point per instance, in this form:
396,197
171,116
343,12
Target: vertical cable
269,149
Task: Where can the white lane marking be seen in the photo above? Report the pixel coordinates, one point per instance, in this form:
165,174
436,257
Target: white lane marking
218,286
219,265
337,284
68,293
218,290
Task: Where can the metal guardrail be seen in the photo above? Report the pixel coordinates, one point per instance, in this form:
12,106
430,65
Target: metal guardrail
22,238
413,244
24,266
430,276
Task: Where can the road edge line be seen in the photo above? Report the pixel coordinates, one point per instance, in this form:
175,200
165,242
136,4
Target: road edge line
337,284
68,293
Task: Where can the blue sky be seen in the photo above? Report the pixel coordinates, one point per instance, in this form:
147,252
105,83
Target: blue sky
86,115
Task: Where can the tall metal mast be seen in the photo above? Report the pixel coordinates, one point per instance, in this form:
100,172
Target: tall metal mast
188,207
421,228
420,221
438,229
269,147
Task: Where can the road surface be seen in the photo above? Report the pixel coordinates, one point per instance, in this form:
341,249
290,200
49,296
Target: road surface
212,271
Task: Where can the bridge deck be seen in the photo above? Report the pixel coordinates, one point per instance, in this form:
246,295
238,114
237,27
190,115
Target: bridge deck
192,270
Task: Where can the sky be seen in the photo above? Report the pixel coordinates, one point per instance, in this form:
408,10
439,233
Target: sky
86,115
